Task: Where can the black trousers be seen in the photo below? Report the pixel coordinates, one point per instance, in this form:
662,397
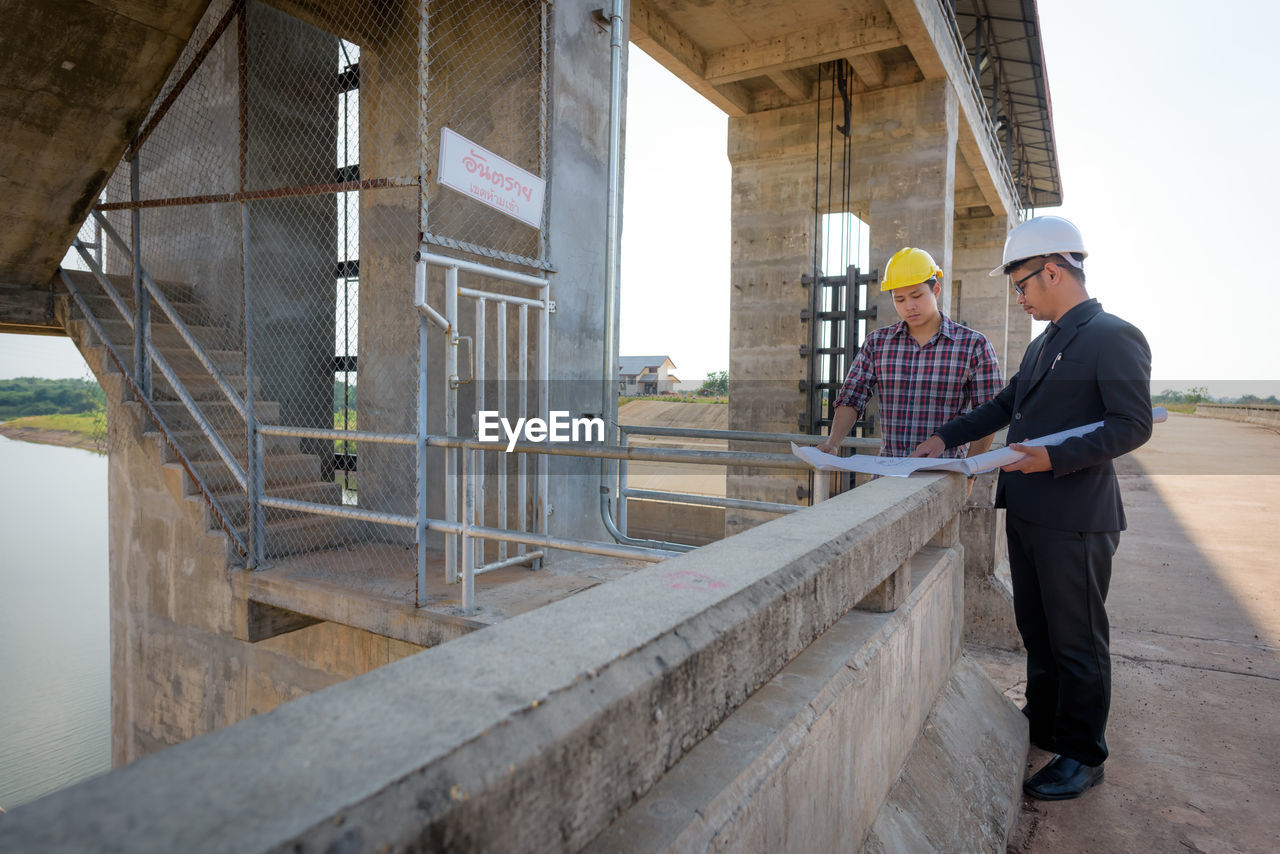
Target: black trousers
1060,581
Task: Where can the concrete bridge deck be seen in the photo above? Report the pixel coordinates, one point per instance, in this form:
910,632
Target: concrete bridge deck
1195,623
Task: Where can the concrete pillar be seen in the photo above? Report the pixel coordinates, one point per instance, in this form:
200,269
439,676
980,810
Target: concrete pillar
903,176
772,244
905,144
579,169
985,302
292,140
988,589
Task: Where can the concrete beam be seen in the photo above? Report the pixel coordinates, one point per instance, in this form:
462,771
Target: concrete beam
28,311
869,67
553,720
792,83
656,35
867,33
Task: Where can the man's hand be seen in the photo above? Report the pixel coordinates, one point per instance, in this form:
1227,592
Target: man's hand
931,447
1036,459
829,447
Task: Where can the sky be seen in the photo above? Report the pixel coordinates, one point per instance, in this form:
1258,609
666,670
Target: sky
1166,126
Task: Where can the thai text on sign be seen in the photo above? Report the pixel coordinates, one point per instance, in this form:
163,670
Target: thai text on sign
482,175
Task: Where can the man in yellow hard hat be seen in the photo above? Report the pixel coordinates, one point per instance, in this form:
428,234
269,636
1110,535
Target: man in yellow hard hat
926,368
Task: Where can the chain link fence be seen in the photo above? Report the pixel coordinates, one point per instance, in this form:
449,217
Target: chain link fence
277,193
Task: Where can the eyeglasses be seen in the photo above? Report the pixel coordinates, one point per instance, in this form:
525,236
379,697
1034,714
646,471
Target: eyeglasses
1018,285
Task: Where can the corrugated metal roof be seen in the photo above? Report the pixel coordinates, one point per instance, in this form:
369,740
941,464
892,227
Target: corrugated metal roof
1002,38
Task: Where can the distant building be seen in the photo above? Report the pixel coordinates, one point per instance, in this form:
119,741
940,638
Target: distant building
646,375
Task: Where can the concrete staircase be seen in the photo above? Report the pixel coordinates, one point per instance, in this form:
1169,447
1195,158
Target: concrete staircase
288,471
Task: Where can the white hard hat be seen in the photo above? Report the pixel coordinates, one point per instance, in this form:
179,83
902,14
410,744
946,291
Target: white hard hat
1044,235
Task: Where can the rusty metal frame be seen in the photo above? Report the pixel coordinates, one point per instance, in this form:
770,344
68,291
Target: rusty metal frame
254,195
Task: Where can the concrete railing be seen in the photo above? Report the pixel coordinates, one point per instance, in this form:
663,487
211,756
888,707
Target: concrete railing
534,734
1268,415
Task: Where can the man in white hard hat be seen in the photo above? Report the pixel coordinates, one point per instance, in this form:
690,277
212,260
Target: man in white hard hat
926,368
1063,510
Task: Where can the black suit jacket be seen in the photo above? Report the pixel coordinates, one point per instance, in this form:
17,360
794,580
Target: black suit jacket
1096,368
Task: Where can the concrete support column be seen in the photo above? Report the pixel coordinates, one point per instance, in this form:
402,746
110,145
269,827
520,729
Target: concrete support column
984,303
988,589
772,224
905,144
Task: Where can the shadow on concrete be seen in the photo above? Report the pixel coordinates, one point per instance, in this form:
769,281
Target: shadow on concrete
1195,625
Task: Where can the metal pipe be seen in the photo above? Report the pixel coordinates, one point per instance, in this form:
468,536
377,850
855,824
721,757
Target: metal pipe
468,509
489,295
424,129
623,472
821,486
523,557
543,500
482,269
712,500
420,295
327,433
503,522
420,450
346,511
613,237
341,511
450,417
620,537
478,467
141,308
561,449
257,471
747,436
522,486
583,546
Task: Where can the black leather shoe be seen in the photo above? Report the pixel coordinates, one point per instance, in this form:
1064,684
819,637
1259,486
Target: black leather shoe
1062,779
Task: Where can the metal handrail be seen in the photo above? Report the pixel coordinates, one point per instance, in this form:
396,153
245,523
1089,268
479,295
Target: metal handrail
169,373
178,323
96,326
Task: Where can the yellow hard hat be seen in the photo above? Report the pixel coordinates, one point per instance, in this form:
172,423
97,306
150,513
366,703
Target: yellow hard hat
909,267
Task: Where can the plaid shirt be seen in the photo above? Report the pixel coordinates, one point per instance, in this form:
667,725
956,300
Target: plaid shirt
921,388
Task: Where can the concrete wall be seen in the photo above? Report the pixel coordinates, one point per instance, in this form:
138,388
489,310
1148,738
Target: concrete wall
1264,414
177,670
567,714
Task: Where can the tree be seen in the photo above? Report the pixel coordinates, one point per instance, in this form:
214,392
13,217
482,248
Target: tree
716,383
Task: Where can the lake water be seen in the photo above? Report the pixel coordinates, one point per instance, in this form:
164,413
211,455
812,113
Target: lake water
54,620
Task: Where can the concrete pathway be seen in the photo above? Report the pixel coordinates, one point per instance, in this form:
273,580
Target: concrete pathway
1195,624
